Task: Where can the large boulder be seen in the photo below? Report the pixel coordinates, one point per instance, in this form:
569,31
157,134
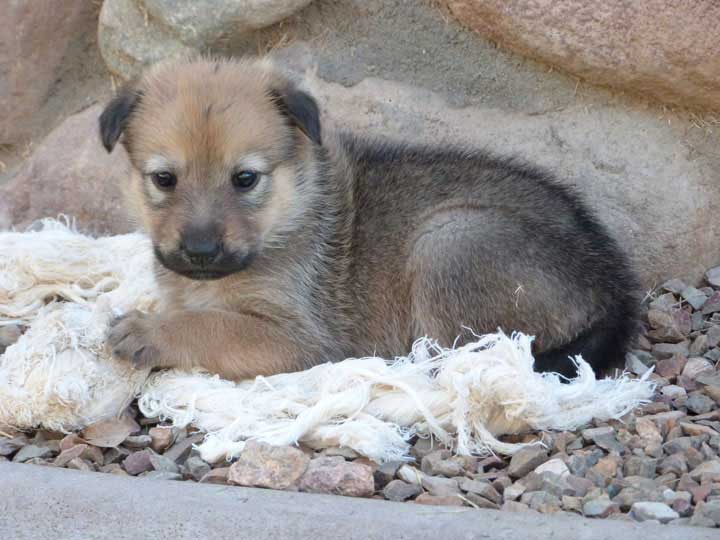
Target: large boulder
69,173
668,50
33,39
136,33
656,197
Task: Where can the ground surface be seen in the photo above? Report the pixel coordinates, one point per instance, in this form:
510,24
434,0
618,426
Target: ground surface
659,463
77,506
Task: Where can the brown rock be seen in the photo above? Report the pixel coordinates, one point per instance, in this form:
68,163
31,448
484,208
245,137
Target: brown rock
275,467
70,173
437,485
475,500
161,437
216,476
33,39
672,367
526,459
658,48
66,456
400,491
80,464
138,462
335,475
438,500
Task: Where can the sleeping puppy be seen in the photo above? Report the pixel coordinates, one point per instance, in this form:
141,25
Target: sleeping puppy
279,247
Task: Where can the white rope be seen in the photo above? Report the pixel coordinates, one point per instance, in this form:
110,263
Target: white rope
65,287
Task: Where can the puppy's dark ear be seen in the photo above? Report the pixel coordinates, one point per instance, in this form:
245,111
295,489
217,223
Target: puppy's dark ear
301,110
116,115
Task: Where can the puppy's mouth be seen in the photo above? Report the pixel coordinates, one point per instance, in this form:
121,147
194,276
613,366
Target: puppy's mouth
227,265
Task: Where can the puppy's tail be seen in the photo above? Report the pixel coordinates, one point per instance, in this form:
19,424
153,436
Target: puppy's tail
603,346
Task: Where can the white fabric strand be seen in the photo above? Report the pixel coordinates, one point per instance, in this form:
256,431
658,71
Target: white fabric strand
65,287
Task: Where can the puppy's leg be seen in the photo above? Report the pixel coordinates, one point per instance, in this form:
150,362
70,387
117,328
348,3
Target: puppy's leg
478,269
234,345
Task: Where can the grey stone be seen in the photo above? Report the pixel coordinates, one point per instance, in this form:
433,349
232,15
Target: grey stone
526,459
410,474
399,491
674,285
11,445
541,501
437,463
712,276
663,351
439,486
601,507
706,513
385,473
712,304
681,444
480,502
163,464
138,441
634,365
481,488
180,450
640,466
162,475
676,463
664,302
196,468
135,34
700,345
699,403
695,297
644,511
708,467
713,336
32,451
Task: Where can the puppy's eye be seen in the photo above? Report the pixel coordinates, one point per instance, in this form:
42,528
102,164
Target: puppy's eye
164,180
245,180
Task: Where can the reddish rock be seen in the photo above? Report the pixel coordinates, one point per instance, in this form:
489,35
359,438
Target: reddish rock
33,39
216,476
335,475
672,367
437,500
656,48
70,173
138,462
162,438
275,467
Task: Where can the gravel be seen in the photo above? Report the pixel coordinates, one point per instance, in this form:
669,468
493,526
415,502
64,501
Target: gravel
660,463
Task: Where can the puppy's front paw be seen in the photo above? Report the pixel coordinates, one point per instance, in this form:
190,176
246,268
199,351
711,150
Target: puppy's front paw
131,339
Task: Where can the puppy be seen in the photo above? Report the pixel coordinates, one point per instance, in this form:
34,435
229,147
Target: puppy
279,247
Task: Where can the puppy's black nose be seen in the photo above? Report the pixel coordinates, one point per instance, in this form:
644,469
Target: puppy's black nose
201,249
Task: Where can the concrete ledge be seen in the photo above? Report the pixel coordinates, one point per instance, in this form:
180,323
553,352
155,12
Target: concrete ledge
42,503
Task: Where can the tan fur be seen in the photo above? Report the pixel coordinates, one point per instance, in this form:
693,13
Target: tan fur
348,262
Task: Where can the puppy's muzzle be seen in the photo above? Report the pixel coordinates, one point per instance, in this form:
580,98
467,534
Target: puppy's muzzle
200,251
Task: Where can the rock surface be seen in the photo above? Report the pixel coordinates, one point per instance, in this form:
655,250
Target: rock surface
335,475
136,33
70,173
33,39
654,48
261,465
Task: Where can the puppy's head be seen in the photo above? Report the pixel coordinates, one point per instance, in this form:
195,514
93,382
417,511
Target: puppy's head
220,154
